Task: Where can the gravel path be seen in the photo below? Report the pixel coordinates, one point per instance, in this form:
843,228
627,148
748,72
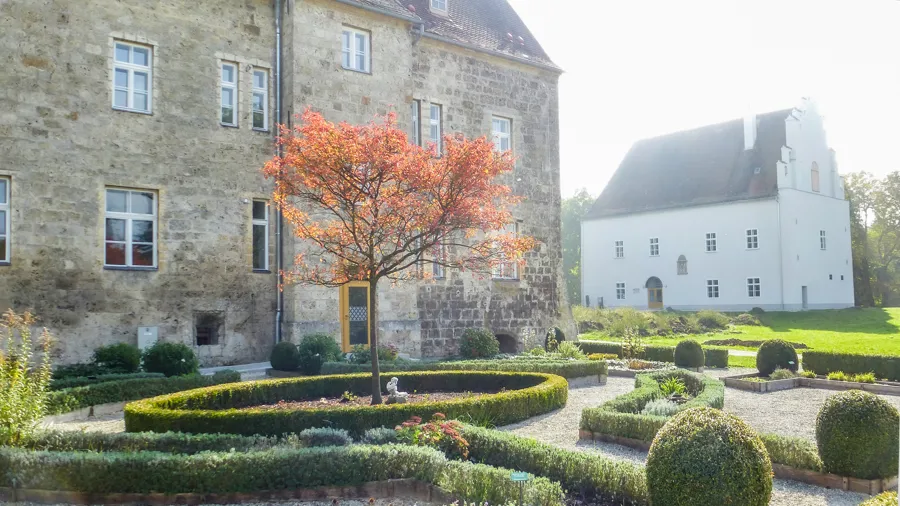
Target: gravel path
113,422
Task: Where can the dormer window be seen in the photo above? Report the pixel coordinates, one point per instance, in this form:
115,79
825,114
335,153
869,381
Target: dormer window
439,6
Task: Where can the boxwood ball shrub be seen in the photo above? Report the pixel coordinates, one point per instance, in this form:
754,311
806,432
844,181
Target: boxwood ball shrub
705,456
857,435
776,354
316,349
285,357
120,357
171,359
478,343
688,353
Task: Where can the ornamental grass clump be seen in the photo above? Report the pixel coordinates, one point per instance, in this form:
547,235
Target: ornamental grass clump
24,378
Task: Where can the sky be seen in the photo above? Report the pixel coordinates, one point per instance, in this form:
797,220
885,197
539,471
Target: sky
641,68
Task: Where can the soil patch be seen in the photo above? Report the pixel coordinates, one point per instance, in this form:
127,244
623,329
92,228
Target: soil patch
366,400
743,342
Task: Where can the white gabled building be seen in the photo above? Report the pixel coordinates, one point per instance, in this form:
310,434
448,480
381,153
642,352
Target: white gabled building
748,213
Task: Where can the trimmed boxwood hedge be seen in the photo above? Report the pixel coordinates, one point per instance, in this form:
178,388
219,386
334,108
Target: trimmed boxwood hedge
566,368
824,362
275,469
236,408
587,473
714,357
70,399
793,452
858,435
620,416
60,384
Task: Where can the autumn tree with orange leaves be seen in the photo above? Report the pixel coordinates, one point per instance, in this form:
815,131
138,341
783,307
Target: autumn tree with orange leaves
368,205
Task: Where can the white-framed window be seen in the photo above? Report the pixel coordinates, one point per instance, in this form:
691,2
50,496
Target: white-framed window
131,219
229,86
132,78
654,246
260,99
620,291
508,270
753,287
620,249
711,246
822,242
356,49
437,270
4,220
752,238
439,5
712,288
501,129
416,122
435,128
260,235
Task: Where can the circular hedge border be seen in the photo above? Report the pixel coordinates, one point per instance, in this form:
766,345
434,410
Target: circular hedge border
235,408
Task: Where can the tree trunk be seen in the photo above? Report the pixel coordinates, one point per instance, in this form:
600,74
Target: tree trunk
373,341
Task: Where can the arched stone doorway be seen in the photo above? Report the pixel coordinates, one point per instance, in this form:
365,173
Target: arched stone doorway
507,343
654,293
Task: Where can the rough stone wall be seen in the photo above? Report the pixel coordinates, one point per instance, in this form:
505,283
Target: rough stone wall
428,318
61,143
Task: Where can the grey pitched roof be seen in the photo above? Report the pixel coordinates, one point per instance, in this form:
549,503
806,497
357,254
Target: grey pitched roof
492,25
706,165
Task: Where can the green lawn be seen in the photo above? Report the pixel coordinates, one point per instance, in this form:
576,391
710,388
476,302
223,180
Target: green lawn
737,361
867,331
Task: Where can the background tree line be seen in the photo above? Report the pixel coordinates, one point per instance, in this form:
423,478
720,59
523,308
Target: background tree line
874,235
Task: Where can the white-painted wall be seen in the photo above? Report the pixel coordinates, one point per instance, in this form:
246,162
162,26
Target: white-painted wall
789,255
683,232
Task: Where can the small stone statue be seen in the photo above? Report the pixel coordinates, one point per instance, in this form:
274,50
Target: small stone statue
395,396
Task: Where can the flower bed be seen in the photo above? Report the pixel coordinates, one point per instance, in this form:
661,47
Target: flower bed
566,368
234,408
71,399
754,383
824,362
260,471
619,418
714,357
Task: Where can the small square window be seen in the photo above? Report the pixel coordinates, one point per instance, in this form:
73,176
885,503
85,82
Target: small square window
620,291
753,287
439,5
208,328
712,288
620,249
130,228
355,50
654,247
752,238
711,245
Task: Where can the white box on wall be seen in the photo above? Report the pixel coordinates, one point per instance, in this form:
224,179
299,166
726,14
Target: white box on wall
147,337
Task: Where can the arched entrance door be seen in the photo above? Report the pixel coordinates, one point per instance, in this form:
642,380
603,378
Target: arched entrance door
654,293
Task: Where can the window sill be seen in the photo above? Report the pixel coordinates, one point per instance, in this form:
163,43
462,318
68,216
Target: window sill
506,280
128,268
5,264
366,72
261,130
136,111
262,271
226,125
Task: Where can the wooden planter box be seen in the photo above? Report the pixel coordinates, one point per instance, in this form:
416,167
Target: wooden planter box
407,489
871,487
739,382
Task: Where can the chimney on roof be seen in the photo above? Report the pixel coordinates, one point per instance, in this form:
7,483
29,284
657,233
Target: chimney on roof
749,131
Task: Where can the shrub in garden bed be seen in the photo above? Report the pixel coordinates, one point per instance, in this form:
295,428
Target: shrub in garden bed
712,320
776,354
285,357
60,384
70,399
316,349
688,353
209,410
705,456
824,362
478,343
884,499
584,473
858,435
122,357
171,359
620,416
714,357
276,469
564,368
168,442
793,452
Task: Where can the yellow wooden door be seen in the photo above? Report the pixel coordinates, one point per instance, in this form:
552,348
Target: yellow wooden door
654,298
355,314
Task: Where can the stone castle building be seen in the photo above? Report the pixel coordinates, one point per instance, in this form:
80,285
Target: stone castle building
132,208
